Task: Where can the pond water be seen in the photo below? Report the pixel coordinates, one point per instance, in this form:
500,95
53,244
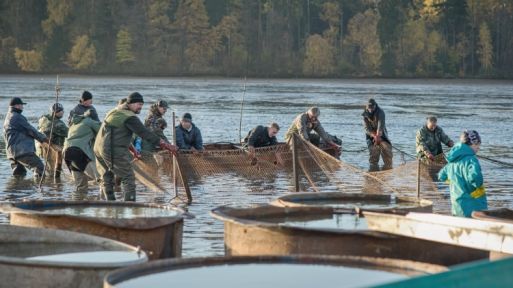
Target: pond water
265,275
485,106
362,204
114,212
337,221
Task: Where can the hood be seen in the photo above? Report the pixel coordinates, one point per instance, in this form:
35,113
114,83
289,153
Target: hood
76,119
459,151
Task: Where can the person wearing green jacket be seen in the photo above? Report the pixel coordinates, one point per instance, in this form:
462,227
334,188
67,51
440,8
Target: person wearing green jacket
429,140
463,172
59,132
113,142
78,151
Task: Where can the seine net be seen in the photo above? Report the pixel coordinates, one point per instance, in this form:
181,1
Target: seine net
271,168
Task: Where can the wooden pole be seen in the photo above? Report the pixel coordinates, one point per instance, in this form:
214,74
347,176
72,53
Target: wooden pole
418,178
295,164
175,182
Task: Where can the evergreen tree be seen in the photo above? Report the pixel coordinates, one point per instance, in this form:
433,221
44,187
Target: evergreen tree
485,49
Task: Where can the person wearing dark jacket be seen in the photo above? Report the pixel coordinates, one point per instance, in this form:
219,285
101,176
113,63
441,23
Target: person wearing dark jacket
157,111
188,136
85,104
261,136
113,142
56,130
19,138
377,137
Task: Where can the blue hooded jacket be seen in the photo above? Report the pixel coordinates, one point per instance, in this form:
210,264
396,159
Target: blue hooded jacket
463,172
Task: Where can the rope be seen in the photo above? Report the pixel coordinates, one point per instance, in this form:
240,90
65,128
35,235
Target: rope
497,162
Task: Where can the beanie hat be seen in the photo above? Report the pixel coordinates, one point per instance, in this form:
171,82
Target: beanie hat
471,137
135,98
187,117
57,107
86,95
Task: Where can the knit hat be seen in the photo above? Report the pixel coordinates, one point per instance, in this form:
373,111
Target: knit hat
135,98
187,117
162,103
16,101
86,95
470,137
371,103
57,107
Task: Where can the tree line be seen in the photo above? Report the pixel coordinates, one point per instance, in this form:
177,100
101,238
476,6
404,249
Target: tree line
259,38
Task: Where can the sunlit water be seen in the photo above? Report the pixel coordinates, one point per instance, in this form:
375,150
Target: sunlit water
351,204
485,106
337,221
265,275
114,212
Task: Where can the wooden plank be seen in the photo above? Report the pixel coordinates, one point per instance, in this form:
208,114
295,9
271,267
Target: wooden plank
472,233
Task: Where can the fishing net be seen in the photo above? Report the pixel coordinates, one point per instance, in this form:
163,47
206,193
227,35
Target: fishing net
317,168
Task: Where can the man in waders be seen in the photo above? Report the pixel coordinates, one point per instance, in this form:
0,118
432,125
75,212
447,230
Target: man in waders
377,136
113,143
54,128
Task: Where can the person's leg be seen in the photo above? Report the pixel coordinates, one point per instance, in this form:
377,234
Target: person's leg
386,154
32,162
18,169
106,180
374,152
123,169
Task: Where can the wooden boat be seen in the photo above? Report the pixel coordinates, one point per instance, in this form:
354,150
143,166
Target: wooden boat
359,201
256,231
37,257
159,235
268,271
465,232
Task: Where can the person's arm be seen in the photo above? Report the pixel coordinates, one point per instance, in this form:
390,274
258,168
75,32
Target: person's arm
381,122
134,124
94,125
421,148
93,114
474,176
322,133
367,127
198,143
445,139
32,132
302,124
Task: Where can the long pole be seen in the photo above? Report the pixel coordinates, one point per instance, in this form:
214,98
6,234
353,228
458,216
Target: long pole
418,178
294,164
241,109
174,157
57,92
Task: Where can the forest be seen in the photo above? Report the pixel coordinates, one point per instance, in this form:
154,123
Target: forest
259,38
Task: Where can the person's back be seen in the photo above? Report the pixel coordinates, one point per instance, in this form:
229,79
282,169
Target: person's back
463,172
82,133
307,122
260,136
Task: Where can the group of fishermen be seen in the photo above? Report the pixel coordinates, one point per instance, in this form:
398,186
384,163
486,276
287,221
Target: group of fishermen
91,149
98,150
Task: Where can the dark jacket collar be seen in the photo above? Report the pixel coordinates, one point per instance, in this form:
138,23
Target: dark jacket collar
14,109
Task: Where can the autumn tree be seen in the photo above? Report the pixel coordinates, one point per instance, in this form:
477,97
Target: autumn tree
124,49
485,49
28,60
318,57
364,39
82,55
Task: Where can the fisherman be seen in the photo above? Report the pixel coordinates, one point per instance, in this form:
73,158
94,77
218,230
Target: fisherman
307,122
429,140
188,136
157,111
85,103
149,152
114,140
377,136
78,151
463,172
261,136
57,134
19,138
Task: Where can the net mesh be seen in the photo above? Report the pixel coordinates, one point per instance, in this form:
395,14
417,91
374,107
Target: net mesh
318,170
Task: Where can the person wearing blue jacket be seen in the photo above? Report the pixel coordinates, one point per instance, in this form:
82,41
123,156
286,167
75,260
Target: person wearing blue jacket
188,136
463,172
19,138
